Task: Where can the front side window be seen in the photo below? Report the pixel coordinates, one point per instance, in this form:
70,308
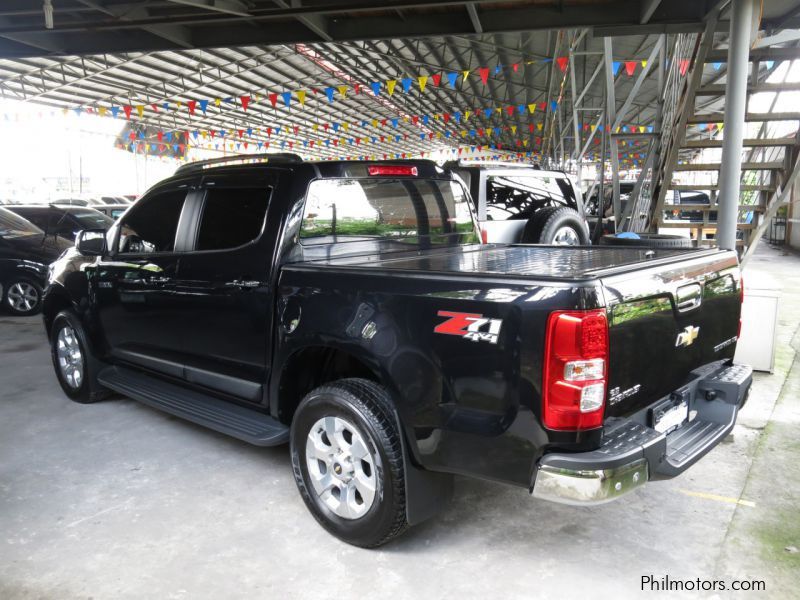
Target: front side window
152,224
232,217
520,196
404,210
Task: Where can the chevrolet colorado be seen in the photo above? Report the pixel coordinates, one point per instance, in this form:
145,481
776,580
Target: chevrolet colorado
349,309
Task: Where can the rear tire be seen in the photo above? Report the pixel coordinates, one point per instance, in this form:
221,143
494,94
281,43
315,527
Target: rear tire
348,462
75,365
648,240
22,296
557,225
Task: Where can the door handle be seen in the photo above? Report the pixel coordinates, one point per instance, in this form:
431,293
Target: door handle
243,283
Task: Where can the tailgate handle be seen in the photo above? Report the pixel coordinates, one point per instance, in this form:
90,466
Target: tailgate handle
689,297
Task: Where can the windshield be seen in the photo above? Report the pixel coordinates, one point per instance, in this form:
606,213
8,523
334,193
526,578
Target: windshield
14,226
92,219
413,211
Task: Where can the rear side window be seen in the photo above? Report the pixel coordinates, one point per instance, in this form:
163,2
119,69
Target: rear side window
232,217
151,225
520,196
403,210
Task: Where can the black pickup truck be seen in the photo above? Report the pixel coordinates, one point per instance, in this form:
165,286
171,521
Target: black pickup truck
349,309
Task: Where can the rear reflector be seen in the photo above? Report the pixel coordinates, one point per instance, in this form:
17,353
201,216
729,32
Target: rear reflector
484,236
575,368
392,170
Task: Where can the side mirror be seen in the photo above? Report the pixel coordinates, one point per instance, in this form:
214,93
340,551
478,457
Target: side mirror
91,242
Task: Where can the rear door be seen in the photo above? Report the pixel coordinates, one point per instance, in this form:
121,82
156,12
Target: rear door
223,286
666,321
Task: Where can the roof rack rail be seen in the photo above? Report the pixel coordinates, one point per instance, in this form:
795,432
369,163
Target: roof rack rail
199,165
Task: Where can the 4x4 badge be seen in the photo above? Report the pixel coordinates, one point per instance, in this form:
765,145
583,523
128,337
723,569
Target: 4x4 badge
470,326
687,336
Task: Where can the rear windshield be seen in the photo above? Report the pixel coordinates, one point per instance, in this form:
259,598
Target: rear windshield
416,211
14,226
92,219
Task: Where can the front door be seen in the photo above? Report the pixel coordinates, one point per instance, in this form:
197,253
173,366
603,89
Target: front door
223,285
134,285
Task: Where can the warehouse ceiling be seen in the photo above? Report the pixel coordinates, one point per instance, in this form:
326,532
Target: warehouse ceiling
73,27
517,92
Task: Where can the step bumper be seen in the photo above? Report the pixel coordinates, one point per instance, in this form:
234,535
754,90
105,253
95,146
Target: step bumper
633,452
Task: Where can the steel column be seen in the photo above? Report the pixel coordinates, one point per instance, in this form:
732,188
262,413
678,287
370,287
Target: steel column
735,105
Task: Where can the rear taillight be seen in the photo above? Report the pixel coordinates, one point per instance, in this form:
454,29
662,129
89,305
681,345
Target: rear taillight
392,170
484,236
575,370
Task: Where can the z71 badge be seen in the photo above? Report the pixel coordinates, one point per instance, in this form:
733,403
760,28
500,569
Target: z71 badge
470,326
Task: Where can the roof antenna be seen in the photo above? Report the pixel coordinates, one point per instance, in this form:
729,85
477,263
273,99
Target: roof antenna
48,13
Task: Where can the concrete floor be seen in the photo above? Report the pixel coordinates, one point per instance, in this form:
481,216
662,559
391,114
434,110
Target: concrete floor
115,500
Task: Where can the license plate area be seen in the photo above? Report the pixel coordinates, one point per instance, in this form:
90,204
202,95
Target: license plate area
670,414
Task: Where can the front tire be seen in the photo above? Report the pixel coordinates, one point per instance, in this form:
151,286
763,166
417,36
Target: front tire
22,297
348,462
75,366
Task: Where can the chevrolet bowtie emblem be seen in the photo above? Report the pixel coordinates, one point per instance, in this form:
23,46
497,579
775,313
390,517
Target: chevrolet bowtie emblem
687,336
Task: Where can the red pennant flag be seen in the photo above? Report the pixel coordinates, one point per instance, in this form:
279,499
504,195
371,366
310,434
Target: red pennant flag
191,105
530,127
127,108
484,72
684,66
446,117
415,119
245,102
154,107
160,135
542,106
630,67
383,122
241,133
357,88
296,129
562,62
515,66
273,99
436,79
510,110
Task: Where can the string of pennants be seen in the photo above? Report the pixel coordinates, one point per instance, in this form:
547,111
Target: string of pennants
389,87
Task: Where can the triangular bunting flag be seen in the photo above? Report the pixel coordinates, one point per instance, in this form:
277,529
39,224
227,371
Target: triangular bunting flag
422,80
484,73
630,67
562,62
245,100
390,86
301,97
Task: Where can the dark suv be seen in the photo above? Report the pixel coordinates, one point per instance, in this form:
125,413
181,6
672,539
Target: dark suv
63,222
521,203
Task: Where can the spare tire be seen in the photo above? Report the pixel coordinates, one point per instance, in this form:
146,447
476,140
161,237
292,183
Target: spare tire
648,240
558,226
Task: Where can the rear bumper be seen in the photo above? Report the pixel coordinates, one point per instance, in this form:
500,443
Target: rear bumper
634,453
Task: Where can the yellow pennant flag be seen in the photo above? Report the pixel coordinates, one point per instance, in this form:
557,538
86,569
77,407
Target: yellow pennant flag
539,126
102,110
374,122
203,133
593,128
525,143
513,129
345,126
465,74
315,127
642,128
217,101
342,90
140,110
301,97
390,86
531,108
422,80
435,116
463,133
644,64
466,115
438,135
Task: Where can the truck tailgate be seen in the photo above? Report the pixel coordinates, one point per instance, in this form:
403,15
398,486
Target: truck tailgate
666,321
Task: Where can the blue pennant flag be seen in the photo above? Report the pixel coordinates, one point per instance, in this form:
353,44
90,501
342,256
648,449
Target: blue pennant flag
165,105
336,127
422,136
424,119
406,84
488,112
376,87
114,111
249,131
497,69
287,98
717,66
521,109
329,93
394,123
452,78
168,136
553,105
457,117
203,105
615,67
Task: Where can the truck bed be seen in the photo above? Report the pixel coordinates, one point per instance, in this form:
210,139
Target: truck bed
518,261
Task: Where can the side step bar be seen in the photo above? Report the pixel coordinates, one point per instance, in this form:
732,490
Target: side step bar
239,422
